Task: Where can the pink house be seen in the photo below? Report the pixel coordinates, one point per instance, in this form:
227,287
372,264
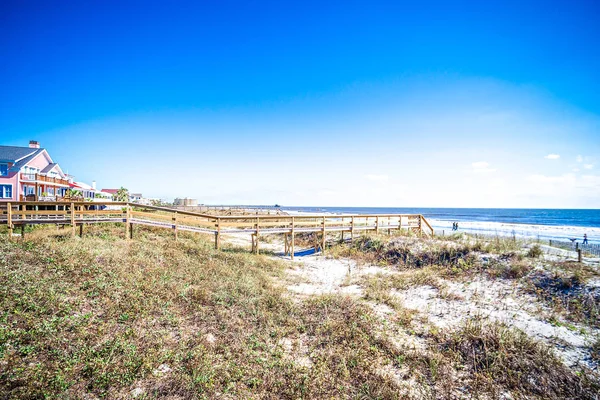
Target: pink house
28,173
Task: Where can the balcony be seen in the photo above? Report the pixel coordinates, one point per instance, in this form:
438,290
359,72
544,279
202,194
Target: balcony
56,198
37,178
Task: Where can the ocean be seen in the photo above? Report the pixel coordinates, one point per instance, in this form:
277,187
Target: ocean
543,224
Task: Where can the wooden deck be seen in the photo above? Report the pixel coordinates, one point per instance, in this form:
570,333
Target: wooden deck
77,214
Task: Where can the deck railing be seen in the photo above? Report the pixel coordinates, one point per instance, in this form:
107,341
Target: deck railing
43,178
79,213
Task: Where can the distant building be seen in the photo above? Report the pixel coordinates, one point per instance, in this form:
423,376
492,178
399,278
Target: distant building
89,192
135,197
185,202
110,192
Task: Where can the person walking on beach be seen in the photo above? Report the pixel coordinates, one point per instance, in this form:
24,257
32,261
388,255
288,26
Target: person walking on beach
585,238
454,226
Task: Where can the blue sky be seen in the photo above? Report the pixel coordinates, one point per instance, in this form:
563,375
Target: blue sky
462,104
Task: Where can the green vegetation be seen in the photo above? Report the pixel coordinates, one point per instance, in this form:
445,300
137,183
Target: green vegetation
101,315
535,251
499,359
451,257
122,194
106,317
564,290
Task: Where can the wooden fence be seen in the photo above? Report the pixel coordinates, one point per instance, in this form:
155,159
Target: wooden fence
77,214
591,249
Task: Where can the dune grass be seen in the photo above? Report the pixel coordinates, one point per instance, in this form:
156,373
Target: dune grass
104,317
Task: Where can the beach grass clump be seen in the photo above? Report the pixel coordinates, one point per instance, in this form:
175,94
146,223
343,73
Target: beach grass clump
535,251
595,350
500,360
509,267
498,257
347,338
405,254
568,295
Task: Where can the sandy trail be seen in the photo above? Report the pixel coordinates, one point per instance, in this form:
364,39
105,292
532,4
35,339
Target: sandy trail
485,299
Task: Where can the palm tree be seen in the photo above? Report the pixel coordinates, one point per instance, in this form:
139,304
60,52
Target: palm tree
122,195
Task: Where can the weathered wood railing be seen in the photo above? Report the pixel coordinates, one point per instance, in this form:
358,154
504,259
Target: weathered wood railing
76,214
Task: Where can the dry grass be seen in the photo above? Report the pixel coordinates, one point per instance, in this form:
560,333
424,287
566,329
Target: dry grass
101,317
500,359
450,257
379,288
565,291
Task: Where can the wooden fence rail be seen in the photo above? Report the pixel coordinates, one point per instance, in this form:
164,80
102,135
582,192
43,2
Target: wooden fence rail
20,214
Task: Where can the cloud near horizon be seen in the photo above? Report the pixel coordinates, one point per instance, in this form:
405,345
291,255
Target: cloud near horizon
482,166
377,178
552,156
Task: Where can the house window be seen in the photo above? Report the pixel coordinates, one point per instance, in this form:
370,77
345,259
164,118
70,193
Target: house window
5,191
3,169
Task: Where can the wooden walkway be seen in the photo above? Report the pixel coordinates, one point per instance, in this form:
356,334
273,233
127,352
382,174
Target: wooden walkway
77,214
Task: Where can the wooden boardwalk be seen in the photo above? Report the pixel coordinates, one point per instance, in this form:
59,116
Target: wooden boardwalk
77,214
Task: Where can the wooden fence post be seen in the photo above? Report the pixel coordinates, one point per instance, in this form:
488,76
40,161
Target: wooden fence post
73,219
9,221
323,238
352,229
257,235
377,225
218,235
175,225
127,219
292,244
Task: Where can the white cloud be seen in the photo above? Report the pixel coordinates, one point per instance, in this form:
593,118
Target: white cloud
377,178
544,179
588,166
562,187
575,169
552,156
579,158
482,166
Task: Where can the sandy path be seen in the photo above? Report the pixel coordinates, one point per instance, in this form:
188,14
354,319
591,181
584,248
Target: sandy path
485,299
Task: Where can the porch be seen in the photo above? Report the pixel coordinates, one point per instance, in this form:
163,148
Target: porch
37,187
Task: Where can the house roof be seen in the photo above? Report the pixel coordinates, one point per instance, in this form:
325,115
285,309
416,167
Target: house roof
111,191
20,156
81,185
14,153
136,195
49,167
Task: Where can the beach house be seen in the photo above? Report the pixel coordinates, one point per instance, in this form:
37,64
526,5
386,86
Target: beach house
29,173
